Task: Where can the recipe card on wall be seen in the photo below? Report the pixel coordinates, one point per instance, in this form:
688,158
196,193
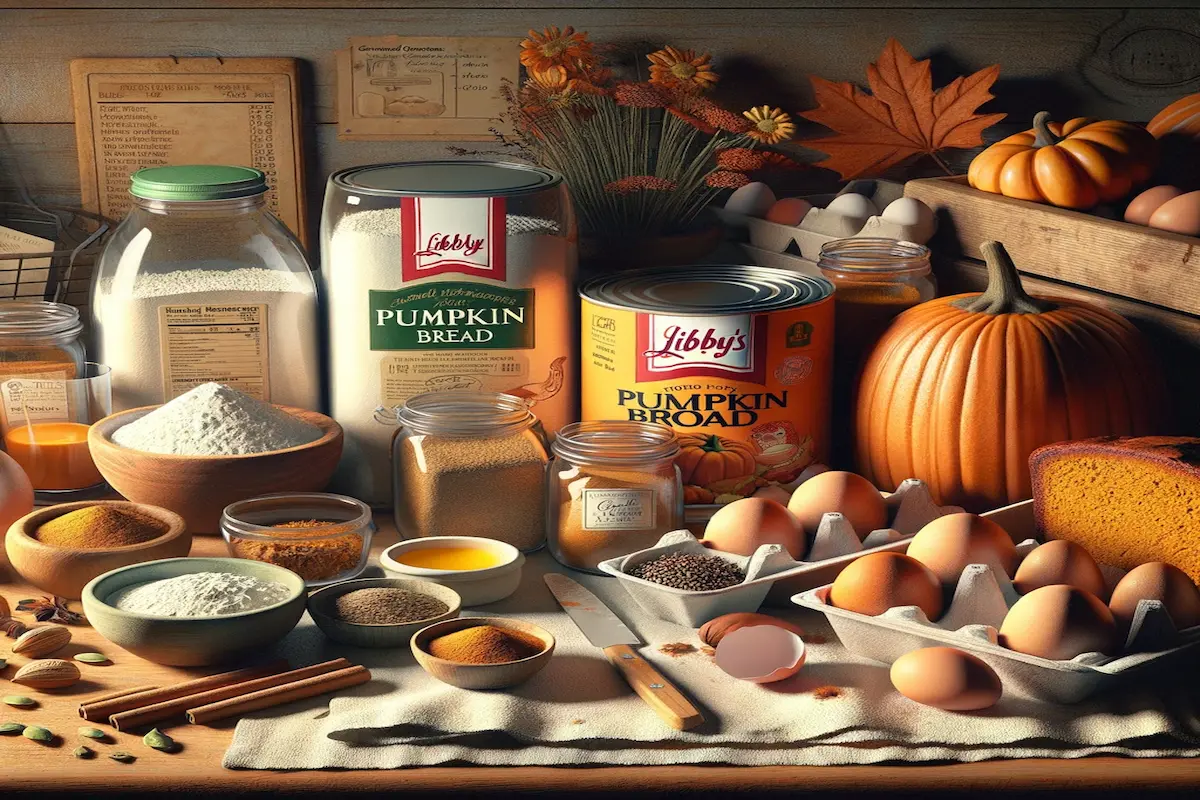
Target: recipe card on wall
425,88
132,113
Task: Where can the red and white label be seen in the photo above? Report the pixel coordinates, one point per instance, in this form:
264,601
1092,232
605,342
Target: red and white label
464,235
732,346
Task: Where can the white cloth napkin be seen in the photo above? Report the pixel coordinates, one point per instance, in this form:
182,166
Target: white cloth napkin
578,710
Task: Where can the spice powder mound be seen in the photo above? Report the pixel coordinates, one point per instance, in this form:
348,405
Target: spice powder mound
313,560
100,527
486,644
387,606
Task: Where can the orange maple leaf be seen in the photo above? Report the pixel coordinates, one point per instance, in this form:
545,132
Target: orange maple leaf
901,118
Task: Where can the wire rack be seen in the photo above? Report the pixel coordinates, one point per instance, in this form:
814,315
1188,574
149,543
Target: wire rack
63,275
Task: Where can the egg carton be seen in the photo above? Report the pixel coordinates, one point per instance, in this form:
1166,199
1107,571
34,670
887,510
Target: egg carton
803,242
972,621
771,573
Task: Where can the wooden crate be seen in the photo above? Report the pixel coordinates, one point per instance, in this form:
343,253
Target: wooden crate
1082,249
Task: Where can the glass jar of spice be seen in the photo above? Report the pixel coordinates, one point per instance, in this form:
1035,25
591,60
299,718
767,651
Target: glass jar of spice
876,279
470,463
40,339
613,488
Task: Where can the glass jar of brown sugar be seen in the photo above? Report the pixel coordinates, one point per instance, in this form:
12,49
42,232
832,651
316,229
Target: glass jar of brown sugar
40,339
470,463
613,489
876,279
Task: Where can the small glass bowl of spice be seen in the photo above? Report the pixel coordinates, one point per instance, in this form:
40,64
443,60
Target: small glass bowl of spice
380,612
483,652
323,538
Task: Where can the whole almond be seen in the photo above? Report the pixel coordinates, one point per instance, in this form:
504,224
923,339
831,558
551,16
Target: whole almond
42,641
48,673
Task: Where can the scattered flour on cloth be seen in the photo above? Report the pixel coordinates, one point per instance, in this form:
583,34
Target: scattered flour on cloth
215,420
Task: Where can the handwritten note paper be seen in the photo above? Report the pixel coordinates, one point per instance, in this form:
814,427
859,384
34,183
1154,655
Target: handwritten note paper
23,279
432,88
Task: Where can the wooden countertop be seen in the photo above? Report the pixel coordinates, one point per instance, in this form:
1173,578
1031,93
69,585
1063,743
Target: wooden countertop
197,767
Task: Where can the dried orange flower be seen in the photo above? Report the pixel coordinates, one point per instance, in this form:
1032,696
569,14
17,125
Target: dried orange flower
740,159
638,95
555,48
724,179
724,120
551,79
639,183
681,69
769,125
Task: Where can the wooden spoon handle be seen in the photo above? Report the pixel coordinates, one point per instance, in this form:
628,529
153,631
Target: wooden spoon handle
658,692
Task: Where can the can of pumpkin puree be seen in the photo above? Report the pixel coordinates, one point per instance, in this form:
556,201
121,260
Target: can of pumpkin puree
737,359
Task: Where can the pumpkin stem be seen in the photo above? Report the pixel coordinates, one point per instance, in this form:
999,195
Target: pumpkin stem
713,445
1041,126
1003,294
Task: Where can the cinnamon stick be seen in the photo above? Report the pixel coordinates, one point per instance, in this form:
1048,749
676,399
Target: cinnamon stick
279,695
144,715
103,708
111,696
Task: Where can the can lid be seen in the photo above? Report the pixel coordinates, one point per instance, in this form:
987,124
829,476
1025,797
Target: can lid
446,178
197,182
708,289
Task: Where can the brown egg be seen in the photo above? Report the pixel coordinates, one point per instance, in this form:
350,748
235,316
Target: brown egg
946,678
948,544
1157,581
713,631
1179,215
1059,623
1060,561
878,581
848,494
1142,207
744,525
789,210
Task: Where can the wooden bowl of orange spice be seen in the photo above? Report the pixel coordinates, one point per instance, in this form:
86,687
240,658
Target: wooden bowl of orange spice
483,652
59,549
324,538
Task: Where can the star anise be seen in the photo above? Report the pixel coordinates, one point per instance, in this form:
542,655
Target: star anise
50,609
12,628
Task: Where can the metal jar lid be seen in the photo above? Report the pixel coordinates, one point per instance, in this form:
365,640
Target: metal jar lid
707,290
446,179
197,183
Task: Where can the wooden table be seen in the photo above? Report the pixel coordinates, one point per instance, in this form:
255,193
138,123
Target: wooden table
28,766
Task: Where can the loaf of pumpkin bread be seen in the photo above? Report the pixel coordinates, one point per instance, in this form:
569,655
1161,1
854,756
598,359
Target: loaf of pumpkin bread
1126,500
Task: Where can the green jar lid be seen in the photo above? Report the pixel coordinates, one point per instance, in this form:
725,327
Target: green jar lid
196,183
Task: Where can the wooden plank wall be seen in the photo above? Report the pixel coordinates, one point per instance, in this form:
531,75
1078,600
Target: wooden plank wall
1073,56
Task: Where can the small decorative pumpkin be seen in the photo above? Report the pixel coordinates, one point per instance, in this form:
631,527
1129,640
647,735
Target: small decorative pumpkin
1177,128
1180,117
1077,164
707,460
960,390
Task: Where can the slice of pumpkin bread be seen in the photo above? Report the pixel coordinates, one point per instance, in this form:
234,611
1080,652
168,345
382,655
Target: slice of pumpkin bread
1126,500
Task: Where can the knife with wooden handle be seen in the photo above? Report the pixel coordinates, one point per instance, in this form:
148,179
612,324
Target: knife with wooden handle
605,630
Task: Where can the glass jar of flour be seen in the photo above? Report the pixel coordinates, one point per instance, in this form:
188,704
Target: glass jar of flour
202,283
444,275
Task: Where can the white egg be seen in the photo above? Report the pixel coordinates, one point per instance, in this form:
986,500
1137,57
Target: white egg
853,205
753,200
912,214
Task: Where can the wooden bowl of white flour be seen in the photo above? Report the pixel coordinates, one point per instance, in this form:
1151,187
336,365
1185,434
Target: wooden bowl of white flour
198,487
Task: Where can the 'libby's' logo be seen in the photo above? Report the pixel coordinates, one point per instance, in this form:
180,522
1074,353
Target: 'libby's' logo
465,235
728,346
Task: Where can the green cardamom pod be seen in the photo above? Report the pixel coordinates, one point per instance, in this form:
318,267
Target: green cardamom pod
123,757
159,741
83,752
91,658
37,734
93,733
11,728
18,700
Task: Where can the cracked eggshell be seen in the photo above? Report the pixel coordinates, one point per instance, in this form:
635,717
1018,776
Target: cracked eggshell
713,631
946,678
760,653
753,200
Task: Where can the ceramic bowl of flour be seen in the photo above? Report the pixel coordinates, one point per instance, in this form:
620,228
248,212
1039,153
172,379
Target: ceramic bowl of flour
198,488
194,640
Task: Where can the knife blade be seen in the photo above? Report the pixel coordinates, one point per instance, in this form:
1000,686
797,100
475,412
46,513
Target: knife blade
605,630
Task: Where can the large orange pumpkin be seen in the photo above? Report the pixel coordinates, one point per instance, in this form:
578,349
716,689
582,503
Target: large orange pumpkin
705,460
1077,164
960,390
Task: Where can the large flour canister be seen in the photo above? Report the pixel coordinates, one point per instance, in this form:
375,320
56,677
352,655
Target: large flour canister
737,359
444,275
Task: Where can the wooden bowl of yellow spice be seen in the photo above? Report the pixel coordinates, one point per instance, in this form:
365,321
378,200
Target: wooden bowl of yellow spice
60,548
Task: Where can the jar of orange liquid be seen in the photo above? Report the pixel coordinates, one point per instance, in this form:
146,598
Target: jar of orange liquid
45,422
